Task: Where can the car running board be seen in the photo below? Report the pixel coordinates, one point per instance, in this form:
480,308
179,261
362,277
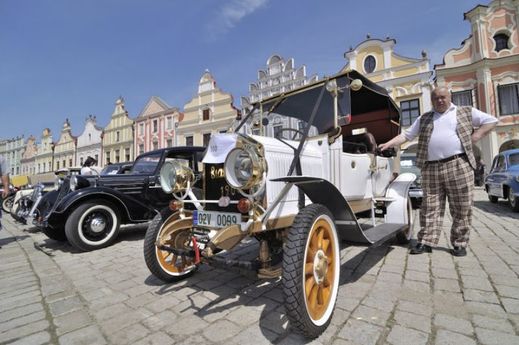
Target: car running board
374,236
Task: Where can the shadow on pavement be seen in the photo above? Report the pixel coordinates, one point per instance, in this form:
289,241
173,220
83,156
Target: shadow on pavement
7,240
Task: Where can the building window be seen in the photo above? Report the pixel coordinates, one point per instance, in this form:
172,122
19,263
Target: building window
117,156
508,99
155,126
207,137
189,141
64,163
141,128
169,122
127,154
81,161
462,98
39,171
107,155
410,111
369,64
155,145
501,42
141,148
169,143
205,114
117,136
57,165
97,157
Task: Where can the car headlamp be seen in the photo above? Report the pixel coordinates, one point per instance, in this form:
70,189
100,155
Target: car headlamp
175,177
78,182
73,183
244,168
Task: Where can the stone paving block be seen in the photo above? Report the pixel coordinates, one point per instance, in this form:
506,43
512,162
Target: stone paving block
33,339
156,338
501,279
255,333
444,337
13,304
486,309
480,296
416,308
404,336
360,332
120,321
422,287
418,322
489,337
186,325
113,298
494,324
66,305
72,321
19,312
479,283
451,285
111,311
17,290
22,320
23,331
128,335
347,303
507,291
159,320
511,305
453,324
371,315
379,303
221,330
418,276
444,273
84,336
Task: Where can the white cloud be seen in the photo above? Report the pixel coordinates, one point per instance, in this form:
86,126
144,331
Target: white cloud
233,12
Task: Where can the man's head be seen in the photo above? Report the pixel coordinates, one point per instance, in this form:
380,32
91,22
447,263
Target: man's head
441,99
89,162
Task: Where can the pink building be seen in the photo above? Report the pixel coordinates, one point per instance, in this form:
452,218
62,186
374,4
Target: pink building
484,71
155,127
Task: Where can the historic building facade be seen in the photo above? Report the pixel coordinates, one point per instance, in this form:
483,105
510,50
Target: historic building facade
155,126
210,111
278,77
65,148
484,71
409,81
43,160
11,150
28,160
118,136
89,142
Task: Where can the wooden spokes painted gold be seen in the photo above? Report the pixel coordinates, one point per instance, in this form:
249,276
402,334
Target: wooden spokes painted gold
177,236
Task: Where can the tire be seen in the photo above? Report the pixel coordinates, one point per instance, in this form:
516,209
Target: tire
493,199
312,246
55,234
513,202
165,230
404,236
7,203
93,225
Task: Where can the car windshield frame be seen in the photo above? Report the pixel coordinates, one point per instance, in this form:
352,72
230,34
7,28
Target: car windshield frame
147,164
513,159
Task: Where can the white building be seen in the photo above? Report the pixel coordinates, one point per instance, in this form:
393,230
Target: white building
89,142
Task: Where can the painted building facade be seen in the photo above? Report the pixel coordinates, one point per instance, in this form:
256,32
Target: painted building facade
155,126
409,81
278,77
65,148
89,142
210,111
28,160
118,136
43,160
484,71
12,149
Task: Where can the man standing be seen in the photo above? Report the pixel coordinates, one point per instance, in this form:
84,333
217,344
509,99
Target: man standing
445,157
4,174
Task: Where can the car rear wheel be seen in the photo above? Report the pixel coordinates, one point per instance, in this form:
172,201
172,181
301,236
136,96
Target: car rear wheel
55,234
311,270
493,199
92,225
513,201
165,231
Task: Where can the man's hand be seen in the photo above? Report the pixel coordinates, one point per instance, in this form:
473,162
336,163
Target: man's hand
384,146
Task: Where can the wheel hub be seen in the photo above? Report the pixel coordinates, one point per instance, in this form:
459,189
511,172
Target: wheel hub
97,224
320,266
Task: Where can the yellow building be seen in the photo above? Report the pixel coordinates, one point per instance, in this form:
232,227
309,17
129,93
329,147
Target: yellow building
210,111
408,80
43,160
65,148
118,136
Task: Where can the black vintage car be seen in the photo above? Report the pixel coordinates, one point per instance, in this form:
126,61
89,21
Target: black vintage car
88,210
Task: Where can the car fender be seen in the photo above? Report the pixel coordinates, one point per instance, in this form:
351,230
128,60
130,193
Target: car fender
397,194
134,210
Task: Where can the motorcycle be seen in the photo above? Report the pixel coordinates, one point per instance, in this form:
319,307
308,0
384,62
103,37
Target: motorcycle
7,202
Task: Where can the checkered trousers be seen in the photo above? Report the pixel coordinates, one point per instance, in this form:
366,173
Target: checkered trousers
452,181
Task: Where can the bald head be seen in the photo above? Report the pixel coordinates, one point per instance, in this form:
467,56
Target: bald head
441,99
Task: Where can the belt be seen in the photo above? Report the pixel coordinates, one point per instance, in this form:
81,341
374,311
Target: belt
448,159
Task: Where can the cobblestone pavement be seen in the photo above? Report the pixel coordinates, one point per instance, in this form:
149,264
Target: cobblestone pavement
50,293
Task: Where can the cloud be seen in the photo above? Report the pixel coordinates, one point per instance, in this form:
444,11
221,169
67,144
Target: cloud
230,14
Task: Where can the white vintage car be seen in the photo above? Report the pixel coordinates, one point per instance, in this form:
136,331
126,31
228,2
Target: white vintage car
298,198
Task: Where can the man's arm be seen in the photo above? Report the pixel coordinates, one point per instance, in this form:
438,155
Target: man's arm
395,142
482,131
5,182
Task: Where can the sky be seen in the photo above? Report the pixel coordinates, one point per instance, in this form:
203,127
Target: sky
64,59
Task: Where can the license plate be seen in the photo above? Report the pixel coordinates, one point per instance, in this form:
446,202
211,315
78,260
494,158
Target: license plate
216,219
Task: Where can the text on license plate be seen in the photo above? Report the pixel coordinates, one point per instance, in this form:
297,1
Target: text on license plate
215,219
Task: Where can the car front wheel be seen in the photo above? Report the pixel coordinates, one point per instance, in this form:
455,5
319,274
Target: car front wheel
92,225
311,270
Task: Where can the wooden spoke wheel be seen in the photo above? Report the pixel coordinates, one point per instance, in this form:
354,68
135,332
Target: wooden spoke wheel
311,270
